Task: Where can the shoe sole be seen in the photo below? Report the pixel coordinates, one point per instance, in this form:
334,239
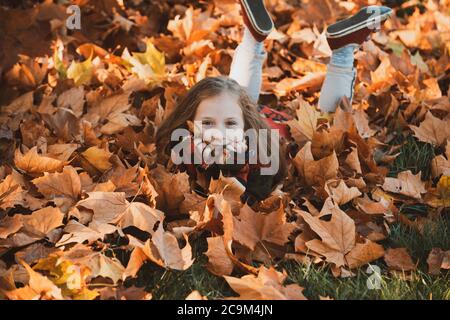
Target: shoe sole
350,25
258,16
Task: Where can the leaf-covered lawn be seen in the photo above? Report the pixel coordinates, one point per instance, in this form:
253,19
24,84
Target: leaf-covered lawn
88,212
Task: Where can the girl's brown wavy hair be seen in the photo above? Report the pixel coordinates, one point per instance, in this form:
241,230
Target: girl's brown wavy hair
207,88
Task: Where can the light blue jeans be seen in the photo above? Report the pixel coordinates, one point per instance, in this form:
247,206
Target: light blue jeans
247,64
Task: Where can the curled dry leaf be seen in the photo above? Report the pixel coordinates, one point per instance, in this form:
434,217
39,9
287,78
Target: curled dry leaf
432,130
304,127
38,287
163,249
438,259
43,221
32,162
62,188
10,225
267,285
342,194
98,158
195,295
399,259
406,183
219,263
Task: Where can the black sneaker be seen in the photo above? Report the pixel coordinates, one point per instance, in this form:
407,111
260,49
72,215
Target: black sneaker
358,27
257,18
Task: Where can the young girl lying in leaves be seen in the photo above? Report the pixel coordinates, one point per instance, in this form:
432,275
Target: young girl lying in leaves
217,110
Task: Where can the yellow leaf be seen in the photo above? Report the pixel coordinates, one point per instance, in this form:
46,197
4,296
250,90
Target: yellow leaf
99,158
81,72
149,66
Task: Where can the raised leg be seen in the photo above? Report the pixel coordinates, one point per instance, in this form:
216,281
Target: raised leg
247,64
340,78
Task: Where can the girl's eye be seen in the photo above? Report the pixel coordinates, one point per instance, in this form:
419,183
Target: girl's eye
207,123
231,123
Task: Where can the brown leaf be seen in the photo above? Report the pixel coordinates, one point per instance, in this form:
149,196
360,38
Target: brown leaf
106,267
10,225
195,295
343,194
62,188
432,130
107,206
164,250
219,263
99,158
305,124
435,260
78,233
337,235
267,285
39,287
399,259
72,99
371,207
406,183
32,162
43,221
251,228
364,253
137,259
141,216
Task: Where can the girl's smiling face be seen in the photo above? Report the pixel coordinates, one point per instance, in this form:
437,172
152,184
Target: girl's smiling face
219,118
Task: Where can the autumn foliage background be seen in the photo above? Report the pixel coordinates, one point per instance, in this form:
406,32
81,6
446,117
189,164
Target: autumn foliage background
87,213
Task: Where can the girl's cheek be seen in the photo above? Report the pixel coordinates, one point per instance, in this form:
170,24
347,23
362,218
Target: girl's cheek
234,135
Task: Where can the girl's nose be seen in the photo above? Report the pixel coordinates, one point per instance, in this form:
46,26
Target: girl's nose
214,136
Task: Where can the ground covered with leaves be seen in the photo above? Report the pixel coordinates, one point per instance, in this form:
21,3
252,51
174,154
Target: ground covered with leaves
86,212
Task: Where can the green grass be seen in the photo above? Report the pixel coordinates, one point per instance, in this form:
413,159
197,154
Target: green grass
415,156
317,279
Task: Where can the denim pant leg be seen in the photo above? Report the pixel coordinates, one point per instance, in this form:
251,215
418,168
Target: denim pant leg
246,67
338,82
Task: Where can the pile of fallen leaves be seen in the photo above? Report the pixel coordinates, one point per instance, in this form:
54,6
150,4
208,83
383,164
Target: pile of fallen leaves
79,178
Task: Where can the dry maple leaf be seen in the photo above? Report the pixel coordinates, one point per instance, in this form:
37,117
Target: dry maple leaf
38,287
105,267
432,130
251,228
364,253
195,26
371,207
440,164
267,285
62,188
337,235
32,162
72,99
399,259
43,221
11,193
141,216
219,263
107,206
163,249
305,124
437,260
406,183
315,172
99,158
342,194
170,188
78,233
10,225
195,295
